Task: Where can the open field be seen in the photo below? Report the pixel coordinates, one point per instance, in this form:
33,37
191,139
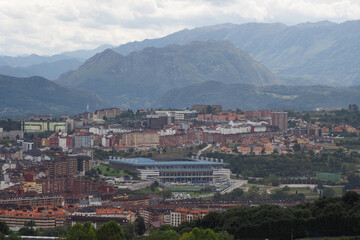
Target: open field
111,171
309,194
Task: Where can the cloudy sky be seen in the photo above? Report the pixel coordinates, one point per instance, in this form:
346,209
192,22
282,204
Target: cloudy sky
51,26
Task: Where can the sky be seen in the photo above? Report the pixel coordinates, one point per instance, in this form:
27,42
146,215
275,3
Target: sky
47,27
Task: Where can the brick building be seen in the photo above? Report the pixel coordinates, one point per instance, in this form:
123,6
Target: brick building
280,119
61,166
74,186
33,201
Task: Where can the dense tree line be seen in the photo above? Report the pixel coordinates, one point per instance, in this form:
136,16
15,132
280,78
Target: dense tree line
10,125
349,143
291,165
353,182
109,231
349,116
167,232
324,217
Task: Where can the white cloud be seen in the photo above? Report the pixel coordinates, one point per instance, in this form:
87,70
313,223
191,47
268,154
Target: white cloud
52,26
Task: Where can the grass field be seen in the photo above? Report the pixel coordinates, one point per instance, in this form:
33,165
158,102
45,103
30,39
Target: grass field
145,191
110,171
338,190
261,187
185,188
309,194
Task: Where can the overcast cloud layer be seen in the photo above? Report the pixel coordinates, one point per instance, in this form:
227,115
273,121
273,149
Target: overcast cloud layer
52,26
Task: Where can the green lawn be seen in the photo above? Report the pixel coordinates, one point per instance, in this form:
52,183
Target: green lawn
185,188
309,194
261,187
111,171
338,190
145,191
196,194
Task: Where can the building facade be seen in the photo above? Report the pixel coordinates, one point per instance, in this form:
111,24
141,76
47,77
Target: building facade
280,119
43,126
180,171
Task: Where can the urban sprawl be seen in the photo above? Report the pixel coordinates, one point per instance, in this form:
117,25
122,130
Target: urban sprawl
165,166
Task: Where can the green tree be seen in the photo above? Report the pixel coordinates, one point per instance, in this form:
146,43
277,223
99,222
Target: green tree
14,236
128,230
166,193
200,234
163,235
217,196
224,235
110,231
320,185
329,192
274,180
28,229
81,232
4,228
140,227
297,147
55,232
209,109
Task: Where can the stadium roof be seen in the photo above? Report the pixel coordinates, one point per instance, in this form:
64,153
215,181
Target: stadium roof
150,162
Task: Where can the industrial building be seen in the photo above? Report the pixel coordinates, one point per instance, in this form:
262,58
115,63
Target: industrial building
190,170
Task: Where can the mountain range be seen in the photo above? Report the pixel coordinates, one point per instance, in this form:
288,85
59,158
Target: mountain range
50,67
37,95
250,66
250,97
135,80
304,54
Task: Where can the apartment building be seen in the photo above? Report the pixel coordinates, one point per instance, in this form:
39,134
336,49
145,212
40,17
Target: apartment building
184,215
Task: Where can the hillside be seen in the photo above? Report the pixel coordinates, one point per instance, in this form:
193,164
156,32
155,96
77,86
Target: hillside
136,80
251,97
48,70
49,67
36,95
308,53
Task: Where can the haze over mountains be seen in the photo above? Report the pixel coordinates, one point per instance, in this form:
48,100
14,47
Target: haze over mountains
315,53
36,95
245,96
136,80
50,67
227,64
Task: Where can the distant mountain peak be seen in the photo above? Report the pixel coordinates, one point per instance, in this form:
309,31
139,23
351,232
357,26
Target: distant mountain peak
320,24
39,96
134,80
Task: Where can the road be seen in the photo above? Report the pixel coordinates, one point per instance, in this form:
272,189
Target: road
235,183
204,149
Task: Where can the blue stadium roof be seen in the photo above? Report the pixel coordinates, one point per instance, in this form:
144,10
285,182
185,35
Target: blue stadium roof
148,161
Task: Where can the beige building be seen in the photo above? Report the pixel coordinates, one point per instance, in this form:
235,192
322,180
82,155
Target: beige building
186,215
141,139
43,126
108,113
